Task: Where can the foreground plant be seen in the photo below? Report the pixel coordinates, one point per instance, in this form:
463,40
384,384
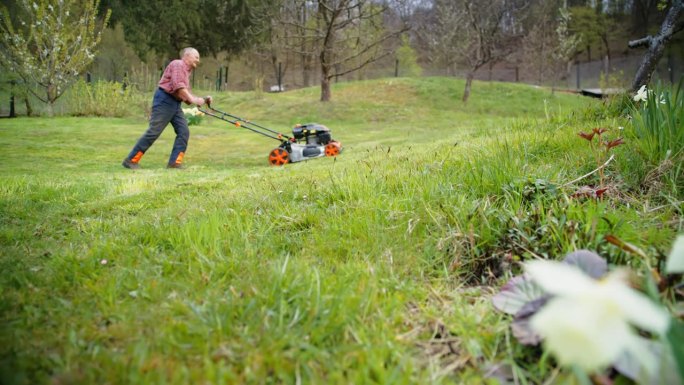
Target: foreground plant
658,123
591,320
600,150
193,115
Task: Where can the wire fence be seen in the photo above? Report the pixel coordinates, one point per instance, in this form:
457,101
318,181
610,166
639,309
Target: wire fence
616,73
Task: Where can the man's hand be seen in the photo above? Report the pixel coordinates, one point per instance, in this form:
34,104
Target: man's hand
207,100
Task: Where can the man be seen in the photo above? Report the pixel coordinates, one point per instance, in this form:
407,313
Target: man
174,88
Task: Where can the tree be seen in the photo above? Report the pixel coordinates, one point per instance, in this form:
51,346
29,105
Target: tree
167,26
594,26
484,32
656,44
347,35
435,29
407,59
50,43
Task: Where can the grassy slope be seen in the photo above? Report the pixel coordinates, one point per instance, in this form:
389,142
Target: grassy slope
347,270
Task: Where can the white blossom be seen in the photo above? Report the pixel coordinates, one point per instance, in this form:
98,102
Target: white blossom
589,323
641,95
675,261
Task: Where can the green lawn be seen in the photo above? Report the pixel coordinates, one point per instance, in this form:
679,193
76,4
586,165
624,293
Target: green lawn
373,267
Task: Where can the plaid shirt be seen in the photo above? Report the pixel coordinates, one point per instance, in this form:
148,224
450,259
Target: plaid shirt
176,76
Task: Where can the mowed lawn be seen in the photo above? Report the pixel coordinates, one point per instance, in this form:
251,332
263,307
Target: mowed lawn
373,267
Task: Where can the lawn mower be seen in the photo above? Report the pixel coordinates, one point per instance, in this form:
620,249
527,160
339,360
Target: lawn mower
311,140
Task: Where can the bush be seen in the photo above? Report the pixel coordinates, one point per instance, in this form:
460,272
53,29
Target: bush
101,98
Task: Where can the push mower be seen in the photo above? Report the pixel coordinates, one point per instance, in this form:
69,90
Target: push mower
311,140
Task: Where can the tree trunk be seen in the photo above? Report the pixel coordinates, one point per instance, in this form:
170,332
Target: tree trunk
51,100
29,110
325,88
469,82
656,45
306,69
325,77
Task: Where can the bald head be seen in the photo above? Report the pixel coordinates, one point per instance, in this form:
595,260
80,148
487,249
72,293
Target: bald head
190,56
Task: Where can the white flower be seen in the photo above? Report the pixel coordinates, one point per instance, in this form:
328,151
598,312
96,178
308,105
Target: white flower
641,95
192,111
588,323
675,262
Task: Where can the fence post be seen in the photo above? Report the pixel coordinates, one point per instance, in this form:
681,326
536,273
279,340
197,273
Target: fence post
218,80
88,78
280,76
396,68
577,64
12,113
225,82
517,74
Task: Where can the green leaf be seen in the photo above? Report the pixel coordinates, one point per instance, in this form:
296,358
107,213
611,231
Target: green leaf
675,337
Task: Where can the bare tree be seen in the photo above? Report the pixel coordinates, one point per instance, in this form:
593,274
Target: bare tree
347,35
484,31
656,44
436,30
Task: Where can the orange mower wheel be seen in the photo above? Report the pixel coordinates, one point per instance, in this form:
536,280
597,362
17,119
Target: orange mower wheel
278,157
332,149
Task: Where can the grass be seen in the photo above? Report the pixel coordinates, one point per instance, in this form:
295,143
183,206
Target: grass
375,267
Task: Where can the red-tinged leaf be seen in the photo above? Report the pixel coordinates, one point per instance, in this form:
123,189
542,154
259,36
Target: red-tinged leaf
613,143
599,192
600,130
587,136
626,246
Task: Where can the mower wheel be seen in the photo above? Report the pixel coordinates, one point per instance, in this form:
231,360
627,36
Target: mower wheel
279,156
332,149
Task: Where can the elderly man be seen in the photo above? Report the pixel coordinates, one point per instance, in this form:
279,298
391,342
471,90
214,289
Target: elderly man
174,88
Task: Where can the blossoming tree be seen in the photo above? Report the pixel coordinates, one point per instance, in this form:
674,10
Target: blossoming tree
49,42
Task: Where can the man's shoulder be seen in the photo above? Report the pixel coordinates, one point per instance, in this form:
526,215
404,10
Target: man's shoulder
176,63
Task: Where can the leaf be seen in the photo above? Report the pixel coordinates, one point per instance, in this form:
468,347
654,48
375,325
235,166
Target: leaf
587,136
613,143
648,362
521,324
589,262
675,261
626,246
516,293
675,336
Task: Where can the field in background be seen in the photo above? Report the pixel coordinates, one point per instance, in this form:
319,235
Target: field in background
374,267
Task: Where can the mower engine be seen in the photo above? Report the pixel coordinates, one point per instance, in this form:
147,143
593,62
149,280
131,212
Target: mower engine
312,133
309,141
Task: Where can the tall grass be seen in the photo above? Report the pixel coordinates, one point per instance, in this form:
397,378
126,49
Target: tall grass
102,98
658,131
658,124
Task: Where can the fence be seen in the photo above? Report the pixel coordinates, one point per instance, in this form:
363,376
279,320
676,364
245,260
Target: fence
247,77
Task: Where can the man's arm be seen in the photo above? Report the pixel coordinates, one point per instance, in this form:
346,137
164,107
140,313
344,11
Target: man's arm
185,95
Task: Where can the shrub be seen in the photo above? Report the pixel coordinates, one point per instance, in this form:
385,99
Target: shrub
101,98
